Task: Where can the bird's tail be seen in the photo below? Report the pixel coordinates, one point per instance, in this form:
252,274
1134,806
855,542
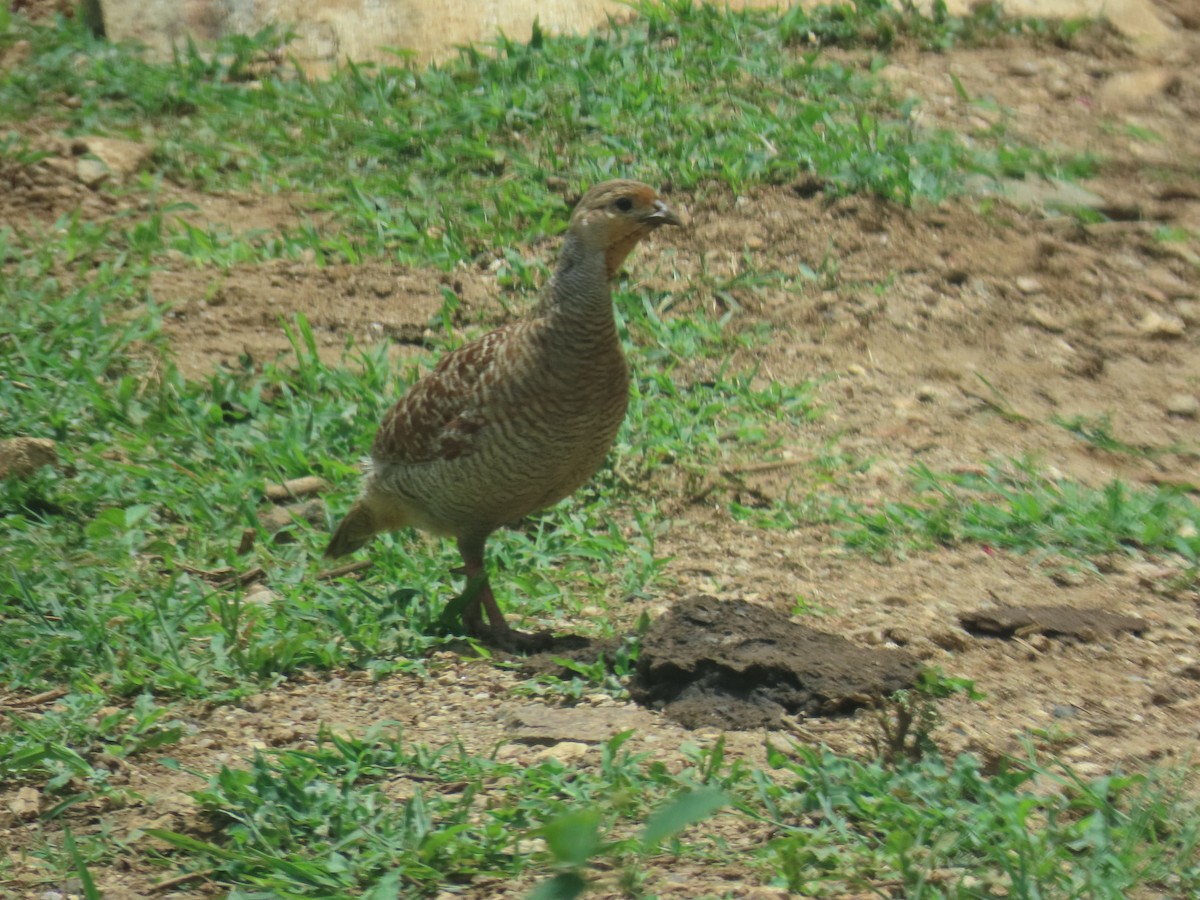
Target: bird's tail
354,531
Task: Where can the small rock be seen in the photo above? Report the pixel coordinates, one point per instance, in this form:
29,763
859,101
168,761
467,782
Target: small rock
979,125
283,734
927,393
1027,285
22,456
91,172
295,489
1044,320
564,752
1186,406
1155,325
1059,88
119,157
261,595
279,519
1024,68
1130,90
26,804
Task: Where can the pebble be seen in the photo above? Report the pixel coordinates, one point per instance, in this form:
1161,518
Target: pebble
261,595
1027,285
279,518
1024,68
1045,321
564,751
91,172
1185,406
296,488
927,393
1059,88
1156,325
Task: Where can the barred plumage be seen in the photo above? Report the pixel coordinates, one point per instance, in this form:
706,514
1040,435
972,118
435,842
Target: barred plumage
518,419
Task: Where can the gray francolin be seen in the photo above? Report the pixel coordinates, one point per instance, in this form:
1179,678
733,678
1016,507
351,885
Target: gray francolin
518,419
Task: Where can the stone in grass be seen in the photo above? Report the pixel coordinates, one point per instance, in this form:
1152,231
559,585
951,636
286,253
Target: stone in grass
116,157
734,665
1185,406
278,520
20,457
295,489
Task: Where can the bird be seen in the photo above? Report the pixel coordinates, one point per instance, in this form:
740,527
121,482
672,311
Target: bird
516,420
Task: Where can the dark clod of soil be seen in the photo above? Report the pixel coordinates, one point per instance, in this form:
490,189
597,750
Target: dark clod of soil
733,665
1053,621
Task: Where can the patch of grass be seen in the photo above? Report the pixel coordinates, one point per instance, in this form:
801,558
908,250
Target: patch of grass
941,828
377,816
77,749
1013,507
685,95
1016,508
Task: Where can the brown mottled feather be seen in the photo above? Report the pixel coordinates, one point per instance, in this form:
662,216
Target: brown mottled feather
440,416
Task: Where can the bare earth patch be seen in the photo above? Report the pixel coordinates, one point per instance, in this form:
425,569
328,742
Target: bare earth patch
945,336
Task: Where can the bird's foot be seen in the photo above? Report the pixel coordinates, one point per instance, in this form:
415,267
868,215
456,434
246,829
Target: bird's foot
513,641
470,608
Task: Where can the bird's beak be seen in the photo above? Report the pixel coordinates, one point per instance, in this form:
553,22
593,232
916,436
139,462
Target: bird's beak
664,215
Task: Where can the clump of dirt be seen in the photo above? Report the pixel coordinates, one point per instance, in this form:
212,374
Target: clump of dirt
1052,621
735,665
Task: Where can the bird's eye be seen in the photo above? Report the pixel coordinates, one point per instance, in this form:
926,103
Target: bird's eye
624,204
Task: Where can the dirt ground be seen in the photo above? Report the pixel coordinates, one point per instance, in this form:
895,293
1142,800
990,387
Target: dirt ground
918,312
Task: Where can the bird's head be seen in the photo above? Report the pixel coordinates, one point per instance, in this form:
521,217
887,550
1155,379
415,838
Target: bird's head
613,216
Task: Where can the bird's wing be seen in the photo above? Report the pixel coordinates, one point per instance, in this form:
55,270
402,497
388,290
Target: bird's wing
442,415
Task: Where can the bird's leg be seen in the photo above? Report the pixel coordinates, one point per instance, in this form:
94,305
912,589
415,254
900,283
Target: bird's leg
476,584
479,592
496,632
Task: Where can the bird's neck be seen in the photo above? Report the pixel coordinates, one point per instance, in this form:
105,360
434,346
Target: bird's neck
579,294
